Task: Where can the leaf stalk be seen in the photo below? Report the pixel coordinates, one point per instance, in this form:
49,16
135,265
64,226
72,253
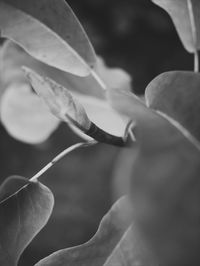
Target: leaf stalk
59,157
196,61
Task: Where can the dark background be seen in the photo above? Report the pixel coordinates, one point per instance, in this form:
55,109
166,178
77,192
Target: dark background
136,36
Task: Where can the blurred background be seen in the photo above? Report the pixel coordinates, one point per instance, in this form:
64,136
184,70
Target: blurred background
138,37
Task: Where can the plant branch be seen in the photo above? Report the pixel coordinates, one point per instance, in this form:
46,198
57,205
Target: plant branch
60,156
98,79
196,61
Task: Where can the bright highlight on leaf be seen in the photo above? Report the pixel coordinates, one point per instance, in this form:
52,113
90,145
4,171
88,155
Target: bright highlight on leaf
49,31
25,116
60,102
113,77
186,17
25,208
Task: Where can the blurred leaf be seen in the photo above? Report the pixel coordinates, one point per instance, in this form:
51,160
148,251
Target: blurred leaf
165,196
113,77
177,94
25,208
186,17
14,57
96,251
153,129
85,89
60,102
164,182
64,106
25,116
49,31
131,251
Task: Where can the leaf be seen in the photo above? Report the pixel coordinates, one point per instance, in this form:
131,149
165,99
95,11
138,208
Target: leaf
25,116
85,89
101,113
177,94
49,31
60,102
113,77
132,251
186,18
164,183
153,130
64,106
25,208
96,251
14,58
165,197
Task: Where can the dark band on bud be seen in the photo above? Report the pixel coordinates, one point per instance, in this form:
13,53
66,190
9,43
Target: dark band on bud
100,135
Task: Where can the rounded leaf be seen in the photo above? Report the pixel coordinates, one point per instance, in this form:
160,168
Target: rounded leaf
25,208
25,116
177,94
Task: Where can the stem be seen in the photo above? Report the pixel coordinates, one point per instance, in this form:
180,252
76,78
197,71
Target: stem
131,135
98,79
129,131
196,61
60,156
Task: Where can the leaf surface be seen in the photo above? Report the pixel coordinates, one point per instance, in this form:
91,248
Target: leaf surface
96,251
164,183
113,77
49,31
13,58
153,130
25,208
177,94
85,89
131,251
25,116
59,100
186,17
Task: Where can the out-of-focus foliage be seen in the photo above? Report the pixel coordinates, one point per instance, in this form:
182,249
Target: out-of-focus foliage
98,249
163,149
164,182
160,143
86,89
19,104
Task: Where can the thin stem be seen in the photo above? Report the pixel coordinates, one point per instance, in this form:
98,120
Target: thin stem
60,156
98,79
196,61
131,134
129,131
